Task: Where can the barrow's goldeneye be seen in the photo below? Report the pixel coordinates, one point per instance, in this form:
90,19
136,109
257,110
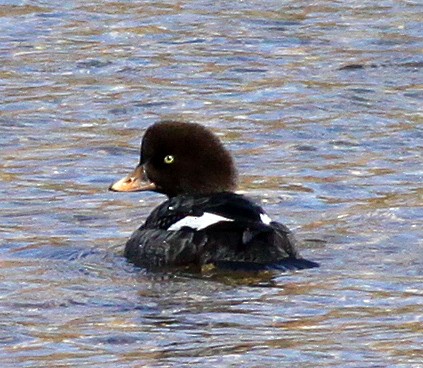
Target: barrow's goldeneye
203,221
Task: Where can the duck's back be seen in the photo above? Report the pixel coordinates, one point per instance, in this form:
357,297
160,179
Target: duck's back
225,229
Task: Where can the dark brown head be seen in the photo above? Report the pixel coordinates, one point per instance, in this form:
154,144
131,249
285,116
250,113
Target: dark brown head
181,158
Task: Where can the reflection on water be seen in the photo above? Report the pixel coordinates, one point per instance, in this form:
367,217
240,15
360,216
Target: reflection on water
321,105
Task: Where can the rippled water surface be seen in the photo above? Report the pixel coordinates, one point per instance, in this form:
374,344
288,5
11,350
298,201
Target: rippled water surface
321,104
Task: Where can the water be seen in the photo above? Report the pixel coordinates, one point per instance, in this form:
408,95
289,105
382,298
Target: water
321,104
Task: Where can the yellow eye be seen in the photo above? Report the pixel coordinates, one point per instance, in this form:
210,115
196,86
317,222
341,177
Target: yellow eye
169,159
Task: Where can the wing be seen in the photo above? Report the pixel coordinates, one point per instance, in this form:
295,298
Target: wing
154,248
225,228
205,211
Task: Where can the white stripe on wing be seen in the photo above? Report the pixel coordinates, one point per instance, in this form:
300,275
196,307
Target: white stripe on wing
198,222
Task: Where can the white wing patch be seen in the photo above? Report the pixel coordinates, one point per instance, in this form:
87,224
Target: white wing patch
265,219
199,222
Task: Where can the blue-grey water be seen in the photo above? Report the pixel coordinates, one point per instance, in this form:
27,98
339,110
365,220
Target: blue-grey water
321,104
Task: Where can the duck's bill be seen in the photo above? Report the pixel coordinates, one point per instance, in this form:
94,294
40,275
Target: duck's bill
136,181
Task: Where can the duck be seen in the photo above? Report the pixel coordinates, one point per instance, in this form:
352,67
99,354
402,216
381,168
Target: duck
203,222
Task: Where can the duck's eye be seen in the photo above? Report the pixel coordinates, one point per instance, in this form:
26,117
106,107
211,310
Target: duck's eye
169,159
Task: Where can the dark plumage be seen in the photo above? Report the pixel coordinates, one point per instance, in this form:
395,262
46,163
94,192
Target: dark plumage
203,221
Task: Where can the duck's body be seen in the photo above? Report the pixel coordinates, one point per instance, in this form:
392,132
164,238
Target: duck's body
203,221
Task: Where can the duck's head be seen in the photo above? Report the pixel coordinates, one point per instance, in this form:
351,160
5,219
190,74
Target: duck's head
180,158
